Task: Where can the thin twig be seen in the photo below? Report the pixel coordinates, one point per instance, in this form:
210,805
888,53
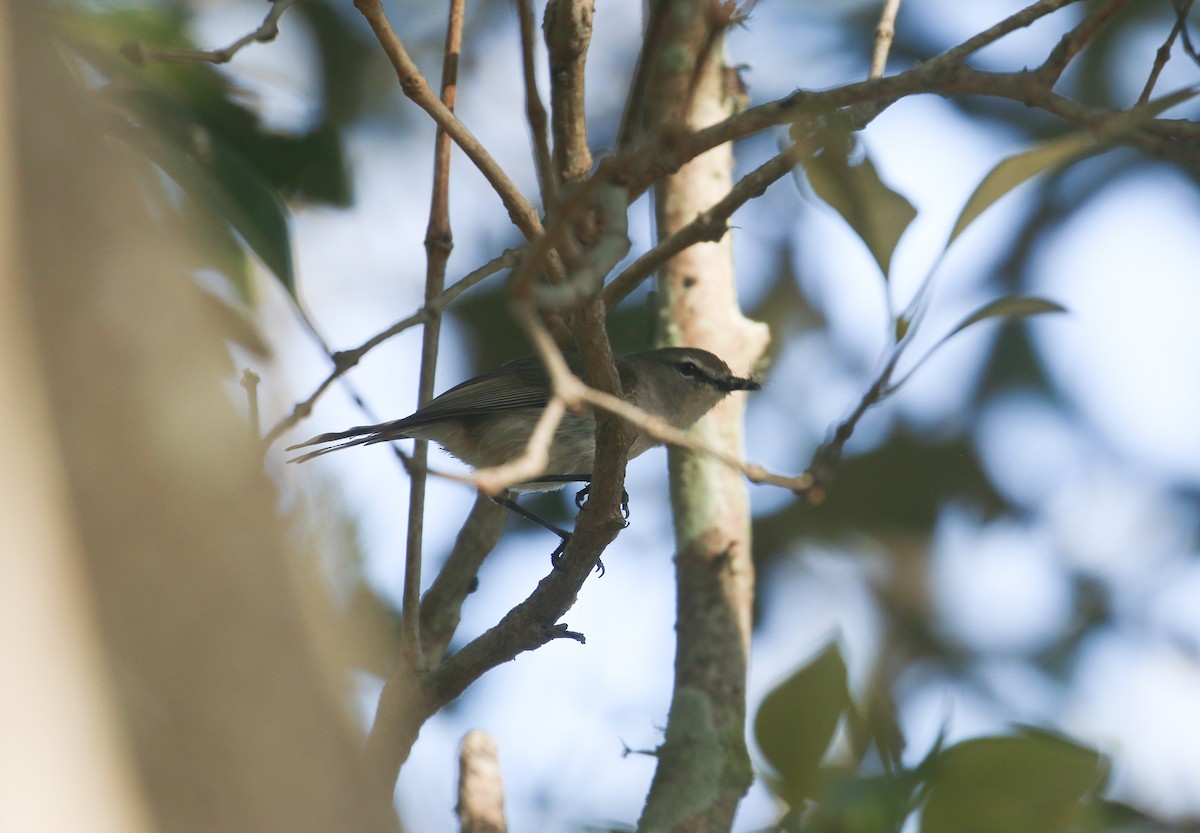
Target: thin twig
708,225
535,112
1164,52
633,114
522,213
1018,20
439,241
1073,42
344,360
267,31
885,33
1181,10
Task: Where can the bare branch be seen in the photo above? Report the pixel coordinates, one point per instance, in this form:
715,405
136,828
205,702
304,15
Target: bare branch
710,225
441,607
1164,52
267,31
535,113
885,33
1074,41
532,461
568,30
875,94
1019,20
524,216
439,241
344,360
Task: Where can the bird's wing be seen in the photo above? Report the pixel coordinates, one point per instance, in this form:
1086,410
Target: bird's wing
522,383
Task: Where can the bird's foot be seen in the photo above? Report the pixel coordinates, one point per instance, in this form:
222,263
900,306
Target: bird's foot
556,556
581,497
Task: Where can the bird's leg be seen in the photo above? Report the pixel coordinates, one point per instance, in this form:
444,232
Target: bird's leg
528,515
555,556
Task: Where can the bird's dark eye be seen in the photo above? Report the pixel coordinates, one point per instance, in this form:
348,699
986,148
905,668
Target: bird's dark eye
688,369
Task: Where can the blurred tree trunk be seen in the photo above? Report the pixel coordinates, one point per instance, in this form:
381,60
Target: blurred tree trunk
180,677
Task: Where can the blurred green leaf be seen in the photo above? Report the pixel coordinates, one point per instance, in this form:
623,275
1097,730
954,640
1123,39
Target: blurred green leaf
796,721
222,155
875,722
878,215
1010,306
254,209
894,492
1056,153
1020,168
212,172
854,804
1027,783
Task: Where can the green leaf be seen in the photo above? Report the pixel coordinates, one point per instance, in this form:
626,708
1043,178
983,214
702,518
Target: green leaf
854,804
1027,783
796,722
878,215
254,210
214,173
1010,306
1018,169
1056,153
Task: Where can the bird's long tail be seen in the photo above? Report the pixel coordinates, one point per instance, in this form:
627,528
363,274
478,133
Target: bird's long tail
359,435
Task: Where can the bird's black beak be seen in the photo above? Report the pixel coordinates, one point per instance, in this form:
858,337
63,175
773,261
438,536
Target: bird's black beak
733,383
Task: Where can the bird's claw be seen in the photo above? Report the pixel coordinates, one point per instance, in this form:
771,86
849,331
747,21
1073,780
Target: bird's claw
581,497
556,557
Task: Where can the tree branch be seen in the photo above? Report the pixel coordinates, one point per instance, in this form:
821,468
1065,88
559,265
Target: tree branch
885,33
535,113
267,31
1073,42
709,225
414,85
568,31
439,241
344,360
480,787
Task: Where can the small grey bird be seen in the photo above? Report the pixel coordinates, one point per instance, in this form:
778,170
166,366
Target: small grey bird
488,420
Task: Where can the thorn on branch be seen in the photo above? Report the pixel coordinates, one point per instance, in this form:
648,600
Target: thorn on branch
561,632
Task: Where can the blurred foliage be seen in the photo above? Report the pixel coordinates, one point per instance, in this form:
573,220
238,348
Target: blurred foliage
225,171
1027,782
841,173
